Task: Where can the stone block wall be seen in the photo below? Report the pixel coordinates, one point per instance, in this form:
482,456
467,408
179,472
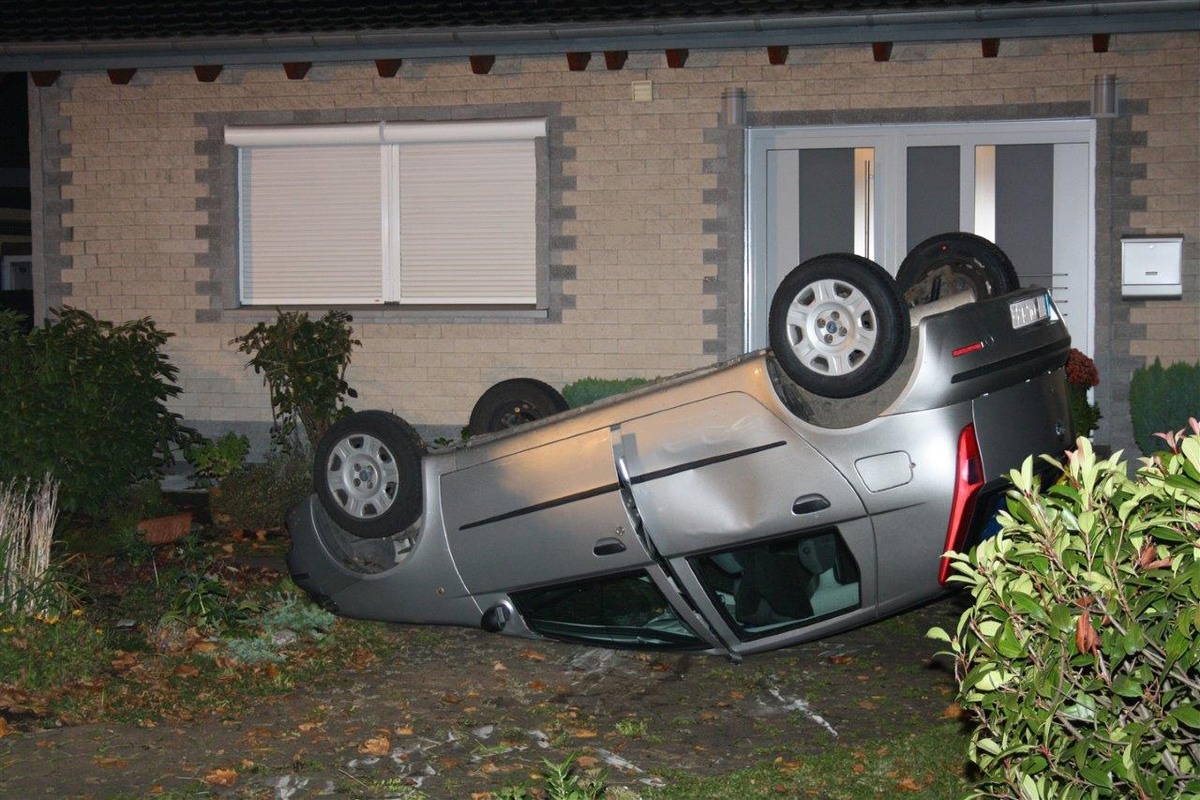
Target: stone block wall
135,202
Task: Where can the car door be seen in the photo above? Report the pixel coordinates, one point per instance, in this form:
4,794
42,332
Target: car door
768,540
549,513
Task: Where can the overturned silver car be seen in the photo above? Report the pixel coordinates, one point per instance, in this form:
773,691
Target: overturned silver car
773,499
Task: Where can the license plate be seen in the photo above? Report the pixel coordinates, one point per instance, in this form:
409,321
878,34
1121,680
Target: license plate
1028,310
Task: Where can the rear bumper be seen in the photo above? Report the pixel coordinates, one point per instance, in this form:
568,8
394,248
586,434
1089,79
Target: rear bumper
1031,418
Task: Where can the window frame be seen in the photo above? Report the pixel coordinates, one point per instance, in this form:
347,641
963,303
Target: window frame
529,137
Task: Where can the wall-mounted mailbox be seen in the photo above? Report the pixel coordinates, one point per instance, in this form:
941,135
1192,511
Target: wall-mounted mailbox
1152,266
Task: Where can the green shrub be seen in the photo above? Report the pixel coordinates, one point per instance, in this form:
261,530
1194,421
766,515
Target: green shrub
1079,656
303,363
214,460
1162,399
87,400
259,496
589,390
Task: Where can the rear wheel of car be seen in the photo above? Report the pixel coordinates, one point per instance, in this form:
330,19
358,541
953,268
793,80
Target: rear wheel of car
950,263
838,326
514,402
367,473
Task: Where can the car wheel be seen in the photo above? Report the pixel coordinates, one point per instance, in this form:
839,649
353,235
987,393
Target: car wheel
950,263
838,326
367,473
514,402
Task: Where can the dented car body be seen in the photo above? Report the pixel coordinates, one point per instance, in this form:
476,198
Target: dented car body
727,510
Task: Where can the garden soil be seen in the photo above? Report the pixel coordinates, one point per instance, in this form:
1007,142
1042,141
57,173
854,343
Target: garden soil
459,713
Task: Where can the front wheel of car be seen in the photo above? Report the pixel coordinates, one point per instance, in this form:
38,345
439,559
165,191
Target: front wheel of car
838,326
367,473
950,263
514,402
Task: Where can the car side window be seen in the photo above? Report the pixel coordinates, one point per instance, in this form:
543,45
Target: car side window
614,611
772,586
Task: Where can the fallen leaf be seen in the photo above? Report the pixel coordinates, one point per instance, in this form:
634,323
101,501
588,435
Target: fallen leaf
908,785
858,768
3,727
952,711
584,733
186,671
378,746
841,660
405,731
452,699
221,777
868,705
537,686
587,762
112,761
498,667
738,695
204,647
659,666
533,655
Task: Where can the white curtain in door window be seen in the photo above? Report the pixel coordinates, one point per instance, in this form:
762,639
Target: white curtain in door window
468,223
311,226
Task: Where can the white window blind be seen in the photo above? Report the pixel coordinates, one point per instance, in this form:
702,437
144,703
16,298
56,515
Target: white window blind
417,213
311,225
467,223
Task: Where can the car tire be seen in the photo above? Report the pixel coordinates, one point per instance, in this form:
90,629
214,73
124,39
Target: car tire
514,402
838,326
954,262
367,474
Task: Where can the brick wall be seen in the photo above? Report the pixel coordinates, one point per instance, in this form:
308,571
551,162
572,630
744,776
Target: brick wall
645,236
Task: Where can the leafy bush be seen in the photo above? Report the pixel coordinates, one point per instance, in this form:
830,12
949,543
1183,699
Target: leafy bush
1079,656
1082,375
86,400
214,460
303,363
589,390
1162,399
259,496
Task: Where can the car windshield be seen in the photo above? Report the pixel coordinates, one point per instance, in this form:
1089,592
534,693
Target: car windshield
784,583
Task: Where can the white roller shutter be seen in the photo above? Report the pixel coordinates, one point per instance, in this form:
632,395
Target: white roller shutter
468,223
311,225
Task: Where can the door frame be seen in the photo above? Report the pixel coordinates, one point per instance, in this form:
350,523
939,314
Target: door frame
889,225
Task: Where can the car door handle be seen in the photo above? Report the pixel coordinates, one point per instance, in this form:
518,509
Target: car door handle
809,504
608,546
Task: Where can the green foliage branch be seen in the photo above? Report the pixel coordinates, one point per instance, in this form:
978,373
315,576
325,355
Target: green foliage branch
1078,657
303,363
87,400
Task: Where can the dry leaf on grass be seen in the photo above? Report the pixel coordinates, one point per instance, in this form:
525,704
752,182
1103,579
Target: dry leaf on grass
221,777
378,746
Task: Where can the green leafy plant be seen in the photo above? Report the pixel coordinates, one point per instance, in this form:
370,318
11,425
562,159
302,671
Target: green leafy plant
561,782
213,460
1082,375
86,400
589,390
1162,399
1079,657
303,363
259,496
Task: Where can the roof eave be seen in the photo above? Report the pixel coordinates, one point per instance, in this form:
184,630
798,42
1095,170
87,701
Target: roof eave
1059,19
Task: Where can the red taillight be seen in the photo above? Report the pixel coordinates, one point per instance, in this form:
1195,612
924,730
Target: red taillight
968,478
